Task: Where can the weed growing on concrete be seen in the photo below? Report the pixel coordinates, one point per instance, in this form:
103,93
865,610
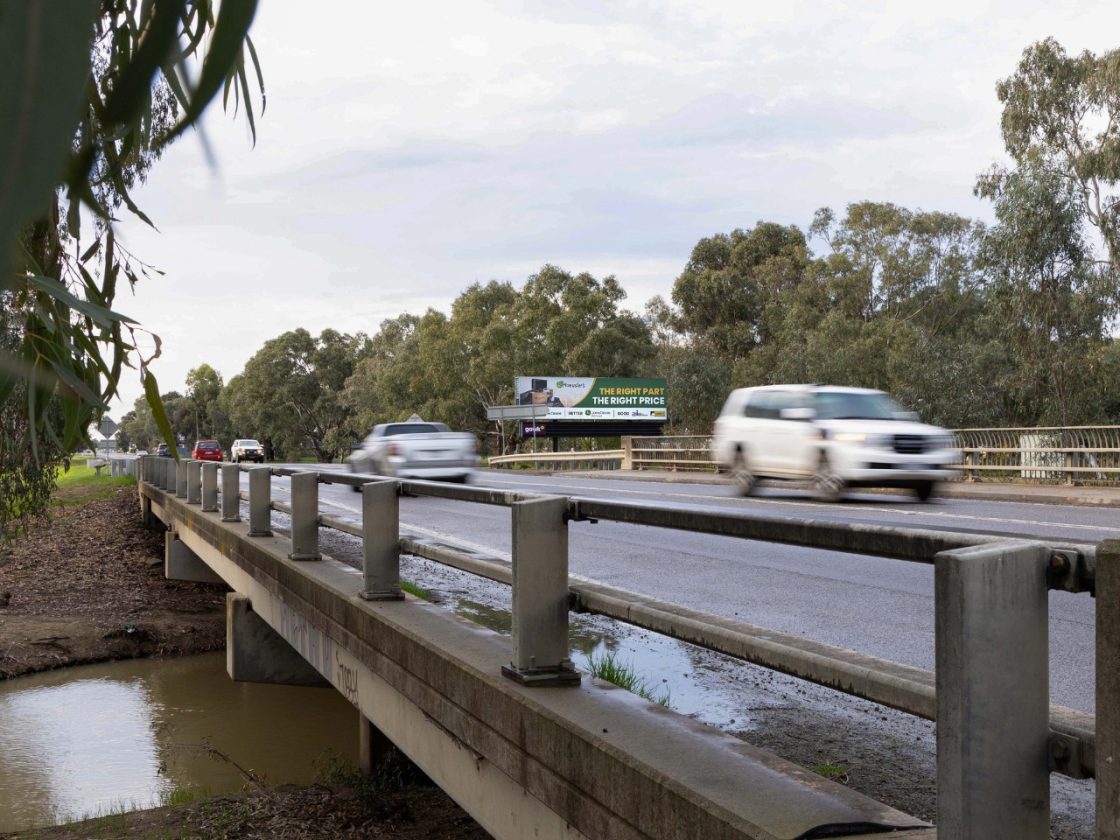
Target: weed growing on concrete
608,668
832,770
419,591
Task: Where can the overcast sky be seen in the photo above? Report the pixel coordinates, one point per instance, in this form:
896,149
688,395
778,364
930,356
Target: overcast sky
411,149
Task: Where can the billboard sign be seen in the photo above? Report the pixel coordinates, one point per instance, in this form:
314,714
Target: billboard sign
594,397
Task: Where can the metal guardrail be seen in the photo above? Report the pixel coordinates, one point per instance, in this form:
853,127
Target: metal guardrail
995,747
605,459
1067,454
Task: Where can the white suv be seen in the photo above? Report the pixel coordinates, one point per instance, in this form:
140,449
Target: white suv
246,449
835,437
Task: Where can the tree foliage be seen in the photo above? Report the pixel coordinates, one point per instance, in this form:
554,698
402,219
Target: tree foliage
1062,113
94,90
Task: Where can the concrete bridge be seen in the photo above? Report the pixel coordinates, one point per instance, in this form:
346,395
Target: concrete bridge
532,748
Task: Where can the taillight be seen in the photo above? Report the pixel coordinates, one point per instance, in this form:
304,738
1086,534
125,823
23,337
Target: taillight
394,449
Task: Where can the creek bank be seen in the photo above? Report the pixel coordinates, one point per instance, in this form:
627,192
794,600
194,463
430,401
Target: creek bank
85,584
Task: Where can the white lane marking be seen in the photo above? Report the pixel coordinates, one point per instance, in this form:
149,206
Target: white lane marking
939,514
431,532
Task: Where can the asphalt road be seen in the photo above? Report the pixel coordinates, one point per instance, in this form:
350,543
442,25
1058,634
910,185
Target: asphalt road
878,606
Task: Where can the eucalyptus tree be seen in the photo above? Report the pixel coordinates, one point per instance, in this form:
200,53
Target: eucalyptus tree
93,91
204,387
1062,113
289,396
1049,303
572,325
724,293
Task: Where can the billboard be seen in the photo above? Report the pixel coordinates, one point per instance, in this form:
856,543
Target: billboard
594,397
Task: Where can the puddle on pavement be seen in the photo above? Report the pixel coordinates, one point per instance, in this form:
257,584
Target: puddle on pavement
668,668
101,739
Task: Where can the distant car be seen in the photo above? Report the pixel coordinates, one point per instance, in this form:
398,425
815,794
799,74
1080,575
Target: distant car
207,450
246,449
832,436
163,450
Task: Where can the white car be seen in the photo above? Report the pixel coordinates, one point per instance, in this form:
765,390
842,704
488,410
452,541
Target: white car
246,449
416,449
834,437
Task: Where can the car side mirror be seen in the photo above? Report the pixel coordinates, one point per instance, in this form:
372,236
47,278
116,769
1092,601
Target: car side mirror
804,414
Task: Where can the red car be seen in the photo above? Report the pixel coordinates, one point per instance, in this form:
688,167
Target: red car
207,450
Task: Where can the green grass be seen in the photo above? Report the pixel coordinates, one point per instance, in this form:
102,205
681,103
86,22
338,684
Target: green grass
419,591
608,668
81,484
832,770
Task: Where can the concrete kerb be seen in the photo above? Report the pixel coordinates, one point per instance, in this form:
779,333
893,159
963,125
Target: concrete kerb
1028,493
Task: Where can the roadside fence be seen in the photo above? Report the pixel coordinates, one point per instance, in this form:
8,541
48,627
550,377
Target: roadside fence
1088,455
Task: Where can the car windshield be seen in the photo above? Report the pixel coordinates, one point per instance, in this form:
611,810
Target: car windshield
248,443
849,405
207,444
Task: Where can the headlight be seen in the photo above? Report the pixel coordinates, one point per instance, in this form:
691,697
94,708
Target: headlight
875,441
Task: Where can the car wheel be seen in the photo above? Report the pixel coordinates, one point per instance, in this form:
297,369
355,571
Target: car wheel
923,490
827,485
742,476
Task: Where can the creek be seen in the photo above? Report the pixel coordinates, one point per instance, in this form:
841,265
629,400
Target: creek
101,739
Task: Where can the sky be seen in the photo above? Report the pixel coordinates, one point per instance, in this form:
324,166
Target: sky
409,150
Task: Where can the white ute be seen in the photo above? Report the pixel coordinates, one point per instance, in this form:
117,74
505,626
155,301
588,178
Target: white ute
831,436
416,449
246,449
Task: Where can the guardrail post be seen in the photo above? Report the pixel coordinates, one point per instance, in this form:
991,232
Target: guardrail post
260,502
305,517
540,594
194,482
993,694
381,542
1108,690
181,479
209,487
231,493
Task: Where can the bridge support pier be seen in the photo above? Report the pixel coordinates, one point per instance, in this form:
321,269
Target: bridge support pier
376,753
180,563
257,653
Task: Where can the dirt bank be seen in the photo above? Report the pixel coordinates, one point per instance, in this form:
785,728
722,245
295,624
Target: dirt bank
85,584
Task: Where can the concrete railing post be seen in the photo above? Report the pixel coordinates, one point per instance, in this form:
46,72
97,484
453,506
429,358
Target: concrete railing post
209,487
993,693
231,493
381,542
305,517
1108,690
181,479
540,594
627,452
194,482
168,474
260,502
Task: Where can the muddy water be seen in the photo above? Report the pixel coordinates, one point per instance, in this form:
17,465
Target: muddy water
99,739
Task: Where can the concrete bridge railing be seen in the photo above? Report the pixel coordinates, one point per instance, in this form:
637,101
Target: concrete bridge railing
998,738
